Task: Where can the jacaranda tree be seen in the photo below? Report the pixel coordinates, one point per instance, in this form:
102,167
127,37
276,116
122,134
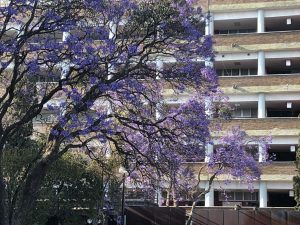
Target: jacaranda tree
103,68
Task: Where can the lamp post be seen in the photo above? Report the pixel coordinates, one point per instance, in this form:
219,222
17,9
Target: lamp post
123,171
56,187
123,200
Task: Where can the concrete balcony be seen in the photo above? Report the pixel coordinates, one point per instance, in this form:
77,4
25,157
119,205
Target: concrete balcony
276,171
281,40
217,2
285,83
217,5
232,5
279,171
266,126
268,80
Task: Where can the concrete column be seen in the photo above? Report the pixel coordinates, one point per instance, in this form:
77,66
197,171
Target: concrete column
158,197
261,154
65,68
159,67
261,63
209,148
112,30
65,35
208,109
209,198
263,194
209,25
260,21
261,106
209,63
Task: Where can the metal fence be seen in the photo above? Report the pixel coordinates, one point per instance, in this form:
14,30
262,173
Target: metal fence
212,216
155,216
246,216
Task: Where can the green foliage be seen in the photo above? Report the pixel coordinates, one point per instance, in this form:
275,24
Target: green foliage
73,187
297,180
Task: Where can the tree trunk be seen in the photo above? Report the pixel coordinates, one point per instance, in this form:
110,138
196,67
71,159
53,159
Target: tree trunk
3,206
3,197
30,191
29,194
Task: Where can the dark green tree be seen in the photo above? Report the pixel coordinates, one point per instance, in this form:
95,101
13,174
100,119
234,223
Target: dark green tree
297,180
73,190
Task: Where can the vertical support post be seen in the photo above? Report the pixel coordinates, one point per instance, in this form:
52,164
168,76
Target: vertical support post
159,67
263,194
261,154
261,63
209,150
209,24
65,35
158,197
65,66
261,105
260,21
209,197
123,201
112,30
209,63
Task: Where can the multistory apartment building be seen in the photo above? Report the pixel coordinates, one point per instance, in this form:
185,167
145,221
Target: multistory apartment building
257,45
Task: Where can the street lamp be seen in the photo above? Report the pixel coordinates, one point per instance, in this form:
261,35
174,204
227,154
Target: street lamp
123,171
56,187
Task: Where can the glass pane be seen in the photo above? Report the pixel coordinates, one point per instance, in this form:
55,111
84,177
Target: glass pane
246,112
247,196
254,113
237,113
233,31
223,32
226,196
230,196
254,195
227,72
253,71
222,196
244,72
235,72
239,196
219,72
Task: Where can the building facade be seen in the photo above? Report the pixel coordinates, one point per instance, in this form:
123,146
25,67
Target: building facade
257,45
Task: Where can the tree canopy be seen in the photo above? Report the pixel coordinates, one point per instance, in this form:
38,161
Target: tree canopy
106,69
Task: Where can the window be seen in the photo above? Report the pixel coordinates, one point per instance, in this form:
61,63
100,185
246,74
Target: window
181,71
237,72
253,71
235,31
244,113
238,196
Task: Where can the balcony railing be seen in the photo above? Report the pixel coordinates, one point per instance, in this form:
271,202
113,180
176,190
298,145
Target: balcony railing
267,80
257,38
265,126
